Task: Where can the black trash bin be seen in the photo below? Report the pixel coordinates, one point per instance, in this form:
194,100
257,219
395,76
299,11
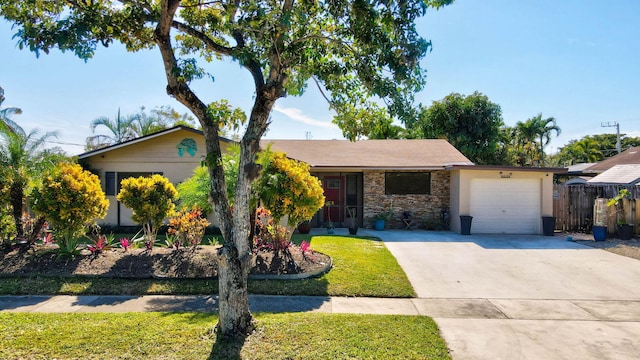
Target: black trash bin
548,225
465,224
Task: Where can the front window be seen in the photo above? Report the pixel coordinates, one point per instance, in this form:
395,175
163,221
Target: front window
113,180
407,183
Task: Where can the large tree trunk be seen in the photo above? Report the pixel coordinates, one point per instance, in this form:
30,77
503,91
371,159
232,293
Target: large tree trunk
235,319
234,257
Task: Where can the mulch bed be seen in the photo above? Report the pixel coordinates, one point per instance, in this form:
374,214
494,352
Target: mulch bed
157,263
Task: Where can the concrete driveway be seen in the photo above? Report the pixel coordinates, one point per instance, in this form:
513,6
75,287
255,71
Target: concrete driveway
523,297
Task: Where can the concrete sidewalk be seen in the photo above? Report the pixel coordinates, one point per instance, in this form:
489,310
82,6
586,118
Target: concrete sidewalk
520,309
472,328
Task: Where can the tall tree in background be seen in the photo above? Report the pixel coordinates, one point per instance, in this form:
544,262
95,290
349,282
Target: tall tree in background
120,128
586,150
168,115
7,113
470,123
525,146
355,50
159,118
124,128
532,136
370,121
593,148
23,160
143,124
607,143
544,129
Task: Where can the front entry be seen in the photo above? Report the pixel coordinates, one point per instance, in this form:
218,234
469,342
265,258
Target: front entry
342,191
333,209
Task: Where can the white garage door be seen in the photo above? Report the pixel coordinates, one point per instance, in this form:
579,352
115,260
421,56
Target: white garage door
505,206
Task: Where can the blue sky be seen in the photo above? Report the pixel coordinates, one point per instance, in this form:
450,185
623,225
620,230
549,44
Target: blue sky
577,61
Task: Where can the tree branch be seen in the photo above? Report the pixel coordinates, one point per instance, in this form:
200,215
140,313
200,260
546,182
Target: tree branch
207,41
181,91
251,65
322,91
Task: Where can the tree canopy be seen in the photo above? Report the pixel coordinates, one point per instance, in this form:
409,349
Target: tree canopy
470,123
592,148
6,113
354,50
23,160
531,137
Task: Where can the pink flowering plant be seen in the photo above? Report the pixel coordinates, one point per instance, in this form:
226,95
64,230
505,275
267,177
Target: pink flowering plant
270,236
125,243
48,238
100,244
306,250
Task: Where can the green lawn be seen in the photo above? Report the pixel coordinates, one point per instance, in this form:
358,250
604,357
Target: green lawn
188,336
362,267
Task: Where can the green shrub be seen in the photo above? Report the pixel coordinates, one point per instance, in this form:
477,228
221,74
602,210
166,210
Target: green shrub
151,199
70,199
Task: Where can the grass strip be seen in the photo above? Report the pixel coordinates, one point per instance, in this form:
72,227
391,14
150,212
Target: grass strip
189,336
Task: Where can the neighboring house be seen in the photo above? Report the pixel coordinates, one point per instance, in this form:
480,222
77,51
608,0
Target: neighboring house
575,199
575,174
626,175
629,156
173,153
427,178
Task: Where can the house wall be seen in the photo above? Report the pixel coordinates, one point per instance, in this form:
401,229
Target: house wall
425,208
157,155
461,183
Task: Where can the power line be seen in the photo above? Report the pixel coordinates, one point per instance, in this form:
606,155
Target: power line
617,126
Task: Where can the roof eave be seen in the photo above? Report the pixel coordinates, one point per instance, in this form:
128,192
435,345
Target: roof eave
507,168
374,168
141,139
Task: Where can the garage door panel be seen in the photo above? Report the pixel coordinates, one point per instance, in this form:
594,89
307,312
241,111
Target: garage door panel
509,206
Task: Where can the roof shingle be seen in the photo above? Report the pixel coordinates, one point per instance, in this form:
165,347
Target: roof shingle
371,154
629,156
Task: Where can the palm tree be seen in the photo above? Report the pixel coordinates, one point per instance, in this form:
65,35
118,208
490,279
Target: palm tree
533,135
526,148
6,113
121,129
144,124
544,128
22,161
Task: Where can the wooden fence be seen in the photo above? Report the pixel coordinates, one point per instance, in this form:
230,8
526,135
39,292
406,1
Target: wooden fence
573,206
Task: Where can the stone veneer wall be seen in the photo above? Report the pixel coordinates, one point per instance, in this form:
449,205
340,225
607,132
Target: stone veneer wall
425,208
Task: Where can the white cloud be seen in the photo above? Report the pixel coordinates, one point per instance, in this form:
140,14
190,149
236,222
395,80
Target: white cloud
297,115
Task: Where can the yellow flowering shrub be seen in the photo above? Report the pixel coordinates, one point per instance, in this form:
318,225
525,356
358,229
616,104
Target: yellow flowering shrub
71,199
287,188
151,199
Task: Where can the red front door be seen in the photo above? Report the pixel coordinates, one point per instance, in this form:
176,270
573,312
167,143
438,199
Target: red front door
333,199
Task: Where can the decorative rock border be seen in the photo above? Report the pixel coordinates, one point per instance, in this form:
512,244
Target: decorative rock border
299,276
